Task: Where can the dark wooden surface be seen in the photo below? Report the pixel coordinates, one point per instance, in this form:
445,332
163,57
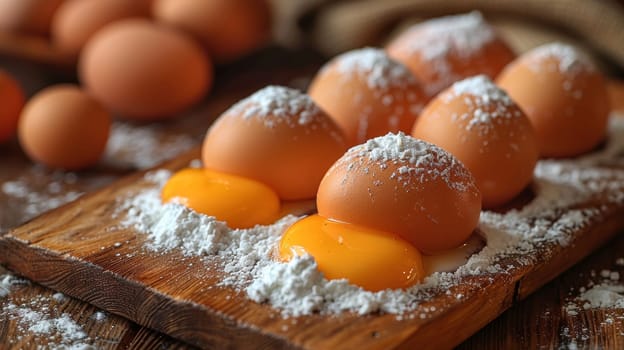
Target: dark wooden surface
539,321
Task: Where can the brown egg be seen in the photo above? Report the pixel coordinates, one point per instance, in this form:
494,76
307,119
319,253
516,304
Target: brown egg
277,136
229,29
480,125
615,89
144,71
63,127
77,20
404,186
444,50
27,16
564,96
368,94
11,102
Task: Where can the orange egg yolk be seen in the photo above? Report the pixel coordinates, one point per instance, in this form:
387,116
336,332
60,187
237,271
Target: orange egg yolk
374,260
239,201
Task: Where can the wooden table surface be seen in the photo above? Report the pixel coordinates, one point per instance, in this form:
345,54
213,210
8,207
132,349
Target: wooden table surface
541,321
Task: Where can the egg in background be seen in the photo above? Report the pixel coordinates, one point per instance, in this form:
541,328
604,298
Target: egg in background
229,29
144,71
27,16
63,127
368,94
444,50
11,103
563,94
76,21
480,125
615,89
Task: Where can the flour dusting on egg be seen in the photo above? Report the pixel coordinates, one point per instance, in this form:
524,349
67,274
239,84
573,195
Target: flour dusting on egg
487,104
566,59
418,157
462,35
466,34
380,71
279,104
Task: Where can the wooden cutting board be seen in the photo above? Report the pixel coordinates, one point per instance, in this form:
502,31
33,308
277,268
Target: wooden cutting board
81,250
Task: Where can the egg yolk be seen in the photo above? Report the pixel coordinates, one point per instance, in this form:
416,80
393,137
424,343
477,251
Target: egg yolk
239,201
372,259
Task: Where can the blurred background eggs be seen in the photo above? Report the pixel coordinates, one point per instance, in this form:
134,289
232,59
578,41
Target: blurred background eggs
76,21
444,50
27,16
277,136
11,103
368,94
229,29
563,94
64,127
144,71
480,125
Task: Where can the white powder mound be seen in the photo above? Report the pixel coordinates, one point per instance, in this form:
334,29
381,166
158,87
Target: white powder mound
463,36
143,146
378,70
567,59
278,104
425,160
7,281
604,295
244,257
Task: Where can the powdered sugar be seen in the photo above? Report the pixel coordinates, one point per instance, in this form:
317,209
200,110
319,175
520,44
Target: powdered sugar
514,239
278,104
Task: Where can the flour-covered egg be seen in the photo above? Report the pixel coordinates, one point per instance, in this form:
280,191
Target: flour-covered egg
368,94
480,125
444,50
563,94
277,136
408,187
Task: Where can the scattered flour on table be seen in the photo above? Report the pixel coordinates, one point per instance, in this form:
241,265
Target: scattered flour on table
298,288
39,191
38,317
144,146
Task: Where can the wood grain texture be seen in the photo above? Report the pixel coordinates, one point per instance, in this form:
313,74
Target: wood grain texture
81,250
